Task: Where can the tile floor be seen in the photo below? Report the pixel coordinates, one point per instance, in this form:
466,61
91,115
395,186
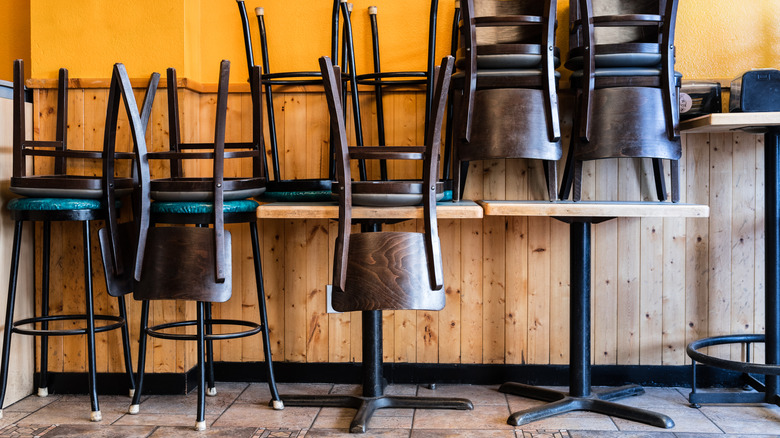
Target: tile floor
240,410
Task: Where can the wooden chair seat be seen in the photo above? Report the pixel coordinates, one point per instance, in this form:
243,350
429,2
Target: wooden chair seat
188,189
67,186
387,271
394,193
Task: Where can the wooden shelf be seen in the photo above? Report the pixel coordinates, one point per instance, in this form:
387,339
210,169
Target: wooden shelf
330,210
593,209
730,122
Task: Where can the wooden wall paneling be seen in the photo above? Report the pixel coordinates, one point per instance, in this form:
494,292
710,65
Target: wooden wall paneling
295,139
494,270
628,287
516,268
743,231
295,263
759,324
339,324
273,256
449,331
317,136
721,175
559,259
697,189
673,294
279,104
44,127
356,333
403,347
651,293
251,348
539,271
604,266
317,277
471,290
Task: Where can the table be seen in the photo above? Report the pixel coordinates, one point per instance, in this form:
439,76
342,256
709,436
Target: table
580,216
769,124
373,397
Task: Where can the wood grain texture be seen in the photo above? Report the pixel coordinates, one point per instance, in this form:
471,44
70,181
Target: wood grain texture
698,247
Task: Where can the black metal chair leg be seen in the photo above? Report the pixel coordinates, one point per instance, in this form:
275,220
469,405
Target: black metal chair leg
126,344
135,404
675,165
551,177
577,183
200,423
211,389
9,313
660,180
276,400
95,415
43,389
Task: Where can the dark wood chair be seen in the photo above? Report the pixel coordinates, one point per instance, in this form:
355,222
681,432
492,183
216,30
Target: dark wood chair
622,55
63,196
280,187
194,263
506,103
405,271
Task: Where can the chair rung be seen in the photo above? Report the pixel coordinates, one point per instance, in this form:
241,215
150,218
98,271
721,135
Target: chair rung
156,331
118,322
387,152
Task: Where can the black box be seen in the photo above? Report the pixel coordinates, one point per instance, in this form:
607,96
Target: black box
698,98
755,90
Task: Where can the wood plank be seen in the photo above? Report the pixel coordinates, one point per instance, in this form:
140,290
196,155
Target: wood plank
329,210
338,323
273,275
593,209
317,277
651,290
697,239
538,290
450,317
759,260
674,269
516,307
628,286
726,122
721,174
295,265
471,290
604,271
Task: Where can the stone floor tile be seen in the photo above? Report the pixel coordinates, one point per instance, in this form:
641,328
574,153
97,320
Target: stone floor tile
479,395
211,432
98,431
462,433
343,433
757,419
573,420
76,410
158,419
605,434
248,415
685,420
258,393
656,398
376,422
31,403
486,416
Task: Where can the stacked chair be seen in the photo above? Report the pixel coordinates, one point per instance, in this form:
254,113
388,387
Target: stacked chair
375,270
505,98
55,192
300,189
194,263
622,57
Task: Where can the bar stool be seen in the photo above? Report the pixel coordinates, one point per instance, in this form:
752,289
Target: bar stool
194,263
280,187
60,196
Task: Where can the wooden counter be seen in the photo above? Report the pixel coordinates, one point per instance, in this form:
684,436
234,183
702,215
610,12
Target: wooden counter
329,210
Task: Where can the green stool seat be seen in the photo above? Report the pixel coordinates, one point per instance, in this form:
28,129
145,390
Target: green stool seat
241,206
53,204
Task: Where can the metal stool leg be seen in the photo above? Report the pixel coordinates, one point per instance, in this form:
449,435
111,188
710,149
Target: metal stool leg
276,401
126,344
211,390
95,415
200,423
9,313
134,405
43,389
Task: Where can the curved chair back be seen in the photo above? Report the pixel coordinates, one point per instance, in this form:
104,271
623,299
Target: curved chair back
387,270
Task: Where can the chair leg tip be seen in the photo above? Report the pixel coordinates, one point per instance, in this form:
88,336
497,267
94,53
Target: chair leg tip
132,393
278,405
211,392
200,426
95,416
43,392
134,409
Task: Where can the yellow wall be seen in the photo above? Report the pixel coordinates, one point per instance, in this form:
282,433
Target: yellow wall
715,39
14,36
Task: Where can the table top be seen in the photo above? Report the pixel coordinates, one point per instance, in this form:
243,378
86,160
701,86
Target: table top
593,209
726,122
330,210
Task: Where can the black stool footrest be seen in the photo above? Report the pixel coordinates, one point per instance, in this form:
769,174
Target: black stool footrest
118,322
157,331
